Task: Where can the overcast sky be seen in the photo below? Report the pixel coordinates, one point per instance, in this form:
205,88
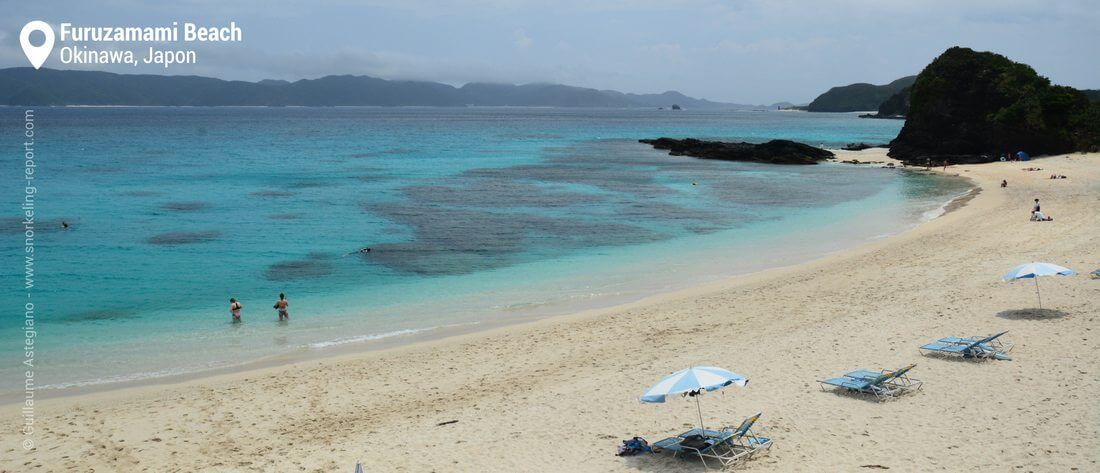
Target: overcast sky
752,51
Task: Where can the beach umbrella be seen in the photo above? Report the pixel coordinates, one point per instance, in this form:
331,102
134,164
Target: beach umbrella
694,382
1033,271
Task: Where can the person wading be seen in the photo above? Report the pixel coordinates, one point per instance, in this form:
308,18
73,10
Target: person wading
281,306
235,309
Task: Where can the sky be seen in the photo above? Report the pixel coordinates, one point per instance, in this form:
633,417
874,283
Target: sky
743,51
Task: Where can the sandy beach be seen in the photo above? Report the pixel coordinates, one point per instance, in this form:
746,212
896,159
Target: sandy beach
560,394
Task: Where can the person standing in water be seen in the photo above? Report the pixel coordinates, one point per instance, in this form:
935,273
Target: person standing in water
281,306
235,309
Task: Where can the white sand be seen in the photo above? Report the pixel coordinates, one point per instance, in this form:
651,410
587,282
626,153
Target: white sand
559,394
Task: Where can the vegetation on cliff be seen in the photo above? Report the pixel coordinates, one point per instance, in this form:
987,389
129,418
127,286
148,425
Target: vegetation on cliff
969,106
857,97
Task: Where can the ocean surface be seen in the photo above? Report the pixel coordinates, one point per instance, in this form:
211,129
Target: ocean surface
474,216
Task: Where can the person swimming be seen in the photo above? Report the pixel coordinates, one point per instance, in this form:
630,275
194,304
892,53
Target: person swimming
281,306
235,309
364,250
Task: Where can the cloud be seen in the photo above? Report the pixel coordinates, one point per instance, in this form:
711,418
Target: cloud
748,51
522,40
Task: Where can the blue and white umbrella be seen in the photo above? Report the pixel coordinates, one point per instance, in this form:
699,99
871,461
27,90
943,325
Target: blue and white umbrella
693,381
1033,271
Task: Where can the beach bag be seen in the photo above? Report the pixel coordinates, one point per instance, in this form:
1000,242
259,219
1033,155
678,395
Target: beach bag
694,442
633,446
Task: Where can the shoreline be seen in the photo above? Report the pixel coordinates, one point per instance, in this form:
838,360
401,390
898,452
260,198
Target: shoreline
429,335
578,376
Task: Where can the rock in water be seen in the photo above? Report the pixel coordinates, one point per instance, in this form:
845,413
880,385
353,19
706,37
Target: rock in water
774,151
970,107
860,146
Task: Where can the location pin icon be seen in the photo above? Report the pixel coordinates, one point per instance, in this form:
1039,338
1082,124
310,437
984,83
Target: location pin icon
36,54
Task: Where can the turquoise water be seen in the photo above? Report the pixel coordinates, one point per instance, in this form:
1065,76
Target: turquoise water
472,216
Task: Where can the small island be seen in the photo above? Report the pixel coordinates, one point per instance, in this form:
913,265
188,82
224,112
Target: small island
772,152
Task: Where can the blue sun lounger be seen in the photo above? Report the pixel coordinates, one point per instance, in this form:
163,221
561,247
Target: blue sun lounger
971,347
745,441
882,384
713,445
728,446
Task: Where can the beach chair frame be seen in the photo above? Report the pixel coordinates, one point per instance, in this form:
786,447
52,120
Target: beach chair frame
978,348
883,384
730,446
746,442
717,449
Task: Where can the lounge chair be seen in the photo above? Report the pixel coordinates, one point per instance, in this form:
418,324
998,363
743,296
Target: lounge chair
714,445
882,384
746,441
727,445
971,347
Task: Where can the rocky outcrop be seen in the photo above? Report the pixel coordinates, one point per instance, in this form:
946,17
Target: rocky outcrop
860,146
774,151
969,107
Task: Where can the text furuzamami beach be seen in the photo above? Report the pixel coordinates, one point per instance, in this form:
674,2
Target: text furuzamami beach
190,33
81,41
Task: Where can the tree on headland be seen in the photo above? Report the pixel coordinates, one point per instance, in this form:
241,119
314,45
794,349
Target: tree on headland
968,106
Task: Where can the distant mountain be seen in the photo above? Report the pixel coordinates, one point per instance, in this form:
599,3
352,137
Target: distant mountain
858,97
539,95
26,86
676,98
897,106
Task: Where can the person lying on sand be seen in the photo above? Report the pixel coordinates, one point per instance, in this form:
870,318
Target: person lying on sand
1038,216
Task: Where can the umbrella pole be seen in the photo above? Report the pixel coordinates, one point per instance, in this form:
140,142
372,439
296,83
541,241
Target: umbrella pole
702,430
1040,296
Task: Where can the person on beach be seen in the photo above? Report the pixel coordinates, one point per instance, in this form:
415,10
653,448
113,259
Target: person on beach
1004,182
1038,216
281,306
235,309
